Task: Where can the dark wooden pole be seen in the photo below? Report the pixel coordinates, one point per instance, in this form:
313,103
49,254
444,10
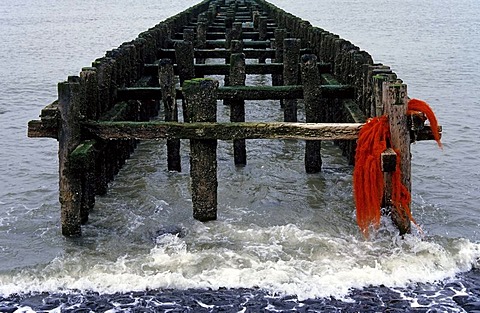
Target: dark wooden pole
262,34
89,94
291,57
395,101
70,183
201,39
201,95
312,95
280,35
237,107
166,80
185,55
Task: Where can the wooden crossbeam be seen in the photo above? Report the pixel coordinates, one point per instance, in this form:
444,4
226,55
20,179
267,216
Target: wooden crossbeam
213,44
221,53
222,131
221,35
224,69
242,92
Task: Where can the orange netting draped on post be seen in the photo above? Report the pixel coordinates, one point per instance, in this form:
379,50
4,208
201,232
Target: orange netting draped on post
422,106
368,178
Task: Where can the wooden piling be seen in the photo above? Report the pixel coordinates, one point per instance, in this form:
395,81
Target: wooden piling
280,35
166,79
237,107
395,101
201,43
312,95
201,95
70,193
291,57
185,55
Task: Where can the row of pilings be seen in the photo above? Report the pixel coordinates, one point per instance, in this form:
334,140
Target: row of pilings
338,82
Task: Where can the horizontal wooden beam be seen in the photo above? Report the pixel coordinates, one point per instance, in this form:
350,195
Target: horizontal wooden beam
41,129
242,92
221,53
221,28
224,69
221,35
222,131
213,44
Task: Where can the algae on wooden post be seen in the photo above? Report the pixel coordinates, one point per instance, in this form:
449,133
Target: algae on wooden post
395,102
237,107
291,56
166,80
70,193
201,95
312,95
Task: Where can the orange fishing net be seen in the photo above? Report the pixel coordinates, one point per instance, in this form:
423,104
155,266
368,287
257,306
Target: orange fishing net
423,107
368,178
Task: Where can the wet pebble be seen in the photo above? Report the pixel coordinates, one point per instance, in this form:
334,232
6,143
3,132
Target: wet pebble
462,295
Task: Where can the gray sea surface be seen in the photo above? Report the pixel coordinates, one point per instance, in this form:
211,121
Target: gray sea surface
279,229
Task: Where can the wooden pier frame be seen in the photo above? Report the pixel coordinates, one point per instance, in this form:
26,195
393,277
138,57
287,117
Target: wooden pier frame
101,114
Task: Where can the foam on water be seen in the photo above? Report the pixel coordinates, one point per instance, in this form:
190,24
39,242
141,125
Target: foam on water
280,259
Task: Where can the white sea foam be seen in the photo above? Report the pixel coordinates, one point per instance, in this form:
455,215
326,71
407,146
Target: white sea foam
280,259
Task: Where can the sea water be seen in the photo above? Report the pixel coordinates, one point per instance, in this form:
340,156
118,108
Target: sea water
279,229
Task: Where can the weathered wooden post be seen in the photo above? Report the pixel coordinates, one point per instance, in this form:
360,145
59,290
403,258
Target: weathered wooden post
201,95
291,57
82,165
312,96
235,33
69,137
201,43
280,35
166,80
237,107
104,68
188,34
87,158
255,19
185,55
395,102
262,34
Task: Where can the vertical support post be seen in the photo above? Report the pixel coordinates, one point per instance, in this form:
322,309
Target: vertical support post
188,34
201,95
201,39
185,55
90,96
70,184
280,35
277,79
291,57
312,96
395,101
256,19
166,79
262,28
237,107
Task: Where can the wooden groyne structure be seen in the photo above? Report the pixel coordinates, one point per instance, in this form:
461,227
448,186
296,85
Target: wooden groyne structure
101,114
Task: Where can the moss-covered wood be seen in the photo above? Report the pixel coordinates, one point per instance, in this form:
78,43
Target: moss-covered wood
82,163
167,84
314,111
223,131
201,96
237,107
223,69
242,92
395,101
70,193
291,57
